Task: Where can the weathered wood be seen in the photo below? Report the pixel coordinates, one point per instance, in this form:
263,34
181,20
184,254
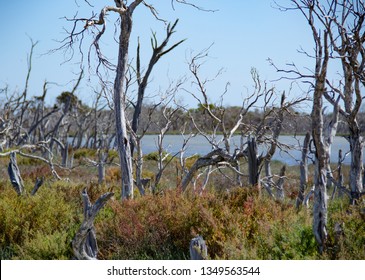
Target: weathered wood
14,174
157,52
303,171
119,99
253,162
198,249
340,176
308,196
102,157
268,182
321,154
213,158
320,211
356,170
280,194
37,185
84,243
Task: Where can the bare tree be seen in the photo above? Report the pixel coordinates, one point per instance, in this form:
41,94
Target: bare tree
266,130
125,10
84,243
347,38
317,15
303,170
157,52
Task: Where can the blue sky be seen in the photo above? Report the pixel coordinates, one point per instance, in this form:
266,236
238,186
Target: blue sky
243,33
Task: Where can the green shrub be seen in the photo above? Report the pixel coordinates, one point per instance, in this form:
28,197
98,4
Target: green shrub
56,245
83,152
154,156
27,220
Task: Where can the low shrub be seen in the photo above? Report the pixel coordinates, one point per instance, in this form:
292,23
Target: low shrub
31,223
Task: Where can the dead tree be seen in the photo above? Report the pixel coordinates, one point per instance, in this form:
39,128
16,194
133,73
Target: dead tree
280,194
14,174
316,14
124,10
67,100
303,171
64,151
347,35
84,243
266,131
254,162
157,52
198,249
21,103
37,185
339,176
40,117
211,159
16,178
29,151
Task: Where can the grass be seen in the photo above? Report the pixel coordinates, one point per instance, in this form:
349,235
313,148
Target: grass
236,222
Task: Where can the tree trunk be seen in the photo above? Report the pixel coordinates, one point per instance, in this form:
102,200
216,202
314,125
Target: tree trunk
37,185
340,176
320,209
101,167
268,180
253,162
84,243
139,166
119,108
210,159
303,171
280,194
14,174
356,184
198,249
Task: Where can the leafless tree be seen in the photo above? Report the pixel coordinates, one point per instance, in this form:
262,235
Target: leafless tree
303,170
266,130
125,10
318,14
84,243
347,37
157,52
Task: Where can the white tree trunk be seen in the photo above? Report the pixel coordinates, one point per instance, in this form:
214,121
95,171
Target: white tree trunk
119,108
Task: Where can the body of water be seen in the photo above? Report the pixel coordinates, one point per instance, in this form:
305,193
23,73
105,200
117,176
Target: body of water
199,145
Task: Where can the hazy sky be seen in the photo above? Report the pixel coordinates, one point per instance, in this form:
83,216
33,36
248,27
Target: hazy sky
244,34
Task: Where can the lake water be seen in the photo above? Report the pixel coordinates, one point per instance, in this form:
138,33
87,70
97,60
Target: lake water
199,145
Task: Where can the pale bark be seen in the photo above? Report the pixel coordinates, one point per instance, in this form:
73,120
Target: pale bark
198,249
211,159
84,243
268,182
303,171
347,39
158,52
321,153
14,174
280,194
119,100
340,176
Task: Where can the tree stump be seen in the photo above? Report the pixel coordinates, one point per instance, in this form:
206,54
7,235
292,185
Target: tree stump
14,174
198,249
37,185
84,244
